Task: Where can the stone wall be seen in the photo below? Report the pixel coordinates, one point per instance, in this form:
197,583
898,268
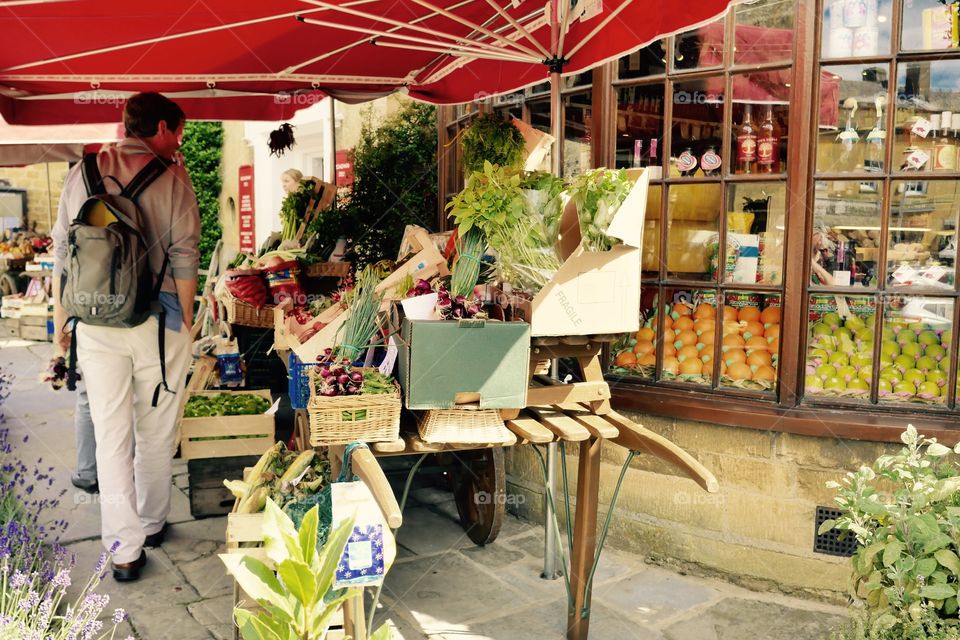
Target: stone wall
43,197
236,152
758,530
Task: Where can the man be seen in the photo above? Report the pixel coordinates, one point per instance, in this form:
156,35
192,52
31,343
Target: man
122,366
85,477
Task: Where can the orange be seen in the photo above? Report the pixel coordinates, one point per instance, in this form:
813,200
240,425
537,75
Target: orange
757,343
647,359
687,352
723,367
757,358
646,334
704,311
683,323
704,325
734,356
669,349
774,346
691,367
739,371
707,337
729,313
772,332
667,321
682,308
731,326
770,315
670,365
765,372
642,347
732,340
669,337
748,314
686,337
625,359
753,328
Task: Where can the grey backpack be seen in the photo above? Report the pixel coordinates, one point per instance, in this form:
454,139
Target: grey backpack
107,280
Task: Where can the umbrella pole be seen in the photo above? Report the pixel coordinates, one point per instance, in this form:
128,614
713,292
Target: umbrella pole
556,123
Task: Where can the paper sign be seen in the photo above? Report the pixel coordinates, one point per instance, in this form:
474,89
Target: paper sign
841,278
386,367
934,274
905,274
272,411
917,158
921,127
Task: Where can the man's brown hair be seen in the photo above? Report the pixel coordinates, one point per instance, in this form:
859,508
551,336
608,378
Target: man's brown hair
144,111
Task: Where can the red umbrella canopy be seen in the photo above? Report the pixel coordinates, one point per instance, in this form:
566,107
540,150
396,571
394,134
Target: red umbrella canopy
76,60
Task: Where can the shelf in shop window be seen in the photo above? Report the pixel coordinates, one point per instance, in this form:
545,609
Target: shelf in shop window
692,180
856,60
756,177
818,289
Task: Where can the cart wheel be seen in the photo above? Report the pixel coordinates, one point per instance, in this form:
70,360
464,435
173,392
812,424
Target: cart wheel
8,285
479,488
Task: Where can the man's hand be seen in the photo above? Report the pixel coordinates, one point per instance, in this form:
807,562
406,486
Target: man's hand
62,340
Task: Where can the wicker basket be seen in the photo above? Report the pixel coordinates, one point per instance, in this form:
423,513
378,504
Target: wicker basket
464,426
327,270
346,419
244,313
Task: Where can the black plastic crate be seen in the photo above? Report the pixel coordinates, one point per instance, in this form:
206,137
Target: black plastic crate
208,496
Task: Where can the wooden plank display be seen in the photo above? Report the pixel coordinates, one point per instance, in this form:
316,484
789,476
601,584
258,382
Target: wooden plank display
222,436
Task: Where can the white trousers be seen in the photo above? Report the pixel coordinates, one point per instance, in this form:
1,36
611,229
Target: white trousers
121,368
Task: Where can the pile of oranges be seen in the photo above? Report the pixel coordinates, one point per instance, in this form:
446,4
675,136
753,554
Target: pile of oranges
749,348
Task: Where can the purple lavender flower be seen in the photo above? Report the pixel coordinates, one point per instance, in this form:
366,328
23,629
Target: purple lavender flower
62,579
119,615
18,580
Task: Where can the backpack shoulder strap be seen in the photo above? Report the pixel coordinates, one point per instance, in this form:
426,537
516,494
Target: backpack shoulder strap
92,179
153,170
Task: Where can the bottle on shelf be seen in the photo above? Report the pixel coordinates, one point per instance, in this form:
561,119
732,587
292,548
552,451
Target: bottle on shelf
873,154
945,148
849,138
747,143
768,144
656,171
687,162
637,153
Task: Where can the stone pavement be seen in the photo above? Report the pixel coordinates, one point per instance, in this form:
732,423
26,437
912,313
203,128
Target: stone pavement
442,586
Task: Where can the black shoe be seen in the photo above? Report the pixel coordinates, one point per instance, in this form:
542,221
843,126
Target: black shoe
129,571
90,486
154,540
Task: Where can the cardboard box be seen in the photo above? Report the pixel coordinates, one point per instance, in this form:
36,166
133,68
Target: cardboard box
284,338
448,363
594,292
223,436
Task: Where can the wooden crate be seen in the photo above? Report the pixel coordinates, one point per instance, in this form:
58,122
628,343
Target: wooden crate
9,327
327,270
35,321
208,496
257,431
38,334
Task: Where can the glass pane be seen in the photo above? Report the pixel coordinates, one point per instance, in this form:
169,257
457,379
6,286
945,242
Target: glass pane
540,119
856,28
846,234
764,32
851,135
760,115
693,231
649,61
915,353
651,234
697,127
634,354
840,347
639,124
751,340
928,115
928,25
921,241
701,47
689,321
577,129
579,80
543,87
756,215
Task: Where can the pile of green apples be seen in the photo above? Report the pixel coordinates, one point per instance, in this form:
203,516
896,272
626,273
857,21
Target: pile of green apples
914,359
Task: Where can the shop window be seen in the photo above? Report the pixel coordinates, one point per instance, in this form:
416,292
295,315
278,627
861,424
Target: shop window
760,112
764,32
928,25
649,61
846,235
921,236
927,133
699,48
840,347
749,349
756,219
651,263
697,127
861,28
852,119
577,134
693,232
639,125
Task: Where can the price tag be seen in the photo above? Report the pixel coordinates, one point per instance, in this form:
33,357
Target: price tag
933,274
921,127
917,159
386,367
905,274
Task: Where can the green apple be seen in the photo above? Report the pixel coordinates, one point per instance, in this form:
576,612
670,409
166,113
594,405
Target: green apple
904,362
812,384
838,359
821,329
890,348
929,388
859,385
888,334
918,327
938,377
854,323
826,371
928,337
945,364
832,320
834,384
914,376
865,336
926,363
844,334
866,373
884,386
847,372
912,349
817,355
946,337
892,374
905,387
860,360
936,351
906,336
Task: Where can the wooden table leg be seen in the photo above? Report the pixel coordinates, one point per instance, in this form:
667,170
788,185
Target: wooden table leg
354,620
593,371
584,536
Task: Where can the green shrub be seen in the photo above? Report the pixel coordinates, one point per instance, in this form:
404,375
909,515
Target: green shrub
202,150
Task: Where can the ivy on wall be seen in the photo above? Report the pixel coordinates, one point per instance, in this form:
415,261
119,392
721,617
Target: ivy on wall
202,150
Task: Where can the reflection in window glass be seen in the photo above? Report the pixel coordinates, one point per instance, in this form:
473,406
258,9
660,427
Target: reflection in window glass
857,28
540,119
840,347
578,80
634,354
693,238
921,240
928,132
639,125
755,224
702,47
764,32
915,349
689,320
927,25
650,267
697,127
577,137
846,234
853,107
648,61
750,348
760,116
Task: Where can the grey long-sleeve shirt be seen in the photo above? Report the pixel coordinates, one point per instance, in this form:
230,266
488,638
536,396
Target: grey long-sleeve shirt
169,205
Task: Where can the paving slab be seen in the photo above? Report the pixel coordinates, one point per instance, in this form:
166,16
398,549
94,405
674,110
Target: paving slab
653,595
736,618
208,575
188,541
216,615
425,532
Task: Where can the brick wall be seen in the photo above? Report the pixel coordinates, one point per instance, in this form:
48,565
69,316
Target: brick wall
758,530
43,197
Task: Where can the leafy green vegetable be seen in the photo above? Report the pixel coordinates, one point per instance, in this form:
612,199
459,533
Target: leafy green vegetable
225,404
598,194
294,208
491,139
